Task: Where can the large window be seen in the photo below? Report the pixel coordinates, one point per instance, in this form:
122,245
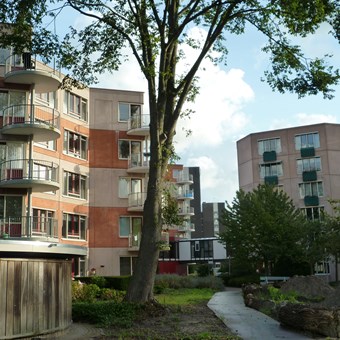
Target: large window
75,105
74,226
75,185
4,54
307,140
314,213
126,265
11,207
46,98
128,185
311,189
272,144
308,164
271,169
130,225
43,222
127,111
75,144
15,99
129,150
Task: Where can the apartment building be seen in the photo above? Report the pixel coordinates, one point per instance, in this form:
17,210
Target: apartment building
303,161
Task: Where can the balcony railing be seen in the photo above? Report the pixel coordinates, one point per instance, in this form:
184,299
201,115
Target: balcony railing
24,69
186,211
137,164
139,124
187,226
185,194
185,178
136,201
29,227
24,170
43,116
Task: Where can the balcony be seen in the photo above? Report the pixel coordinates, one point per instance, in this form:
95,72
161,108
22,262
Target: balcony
185,178
40,121
29,228
185,194
134,241
138,165
311,201
307,152
308,176
269,156
186,227
23,69
186,211
271,180
136,201
39,175
139,125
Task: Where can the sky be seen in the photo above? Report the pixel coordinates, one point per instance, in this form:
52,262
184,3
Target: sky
232,103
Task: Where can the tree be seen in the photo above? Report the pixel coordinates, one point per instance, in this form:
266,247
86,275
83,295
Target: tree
332,233
262,227
155,32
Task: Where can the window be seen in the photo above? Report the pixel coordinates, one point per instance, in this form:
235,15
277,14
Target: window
128,185
11,207
311,189
49,145
43,222
271,169
126,265
78,266
314,213
16,100
74,185
4,54
127,111
75,105
74,226
308,164
129,150
46,97
43,172
273,144
307,140
75,144
130,225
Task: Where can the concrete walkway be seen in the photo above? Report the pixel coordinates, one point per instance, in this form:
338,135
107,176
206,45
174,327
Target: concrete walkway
246,322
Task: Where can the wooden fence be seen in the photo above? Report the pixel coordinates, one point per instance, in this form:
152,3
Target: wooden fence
35,297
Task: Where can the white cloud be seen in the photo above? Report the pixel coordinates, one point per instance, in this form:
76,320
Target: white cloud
307,119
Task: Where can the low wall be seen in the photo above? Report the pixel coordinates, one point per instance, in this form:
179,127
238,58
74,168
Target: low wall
35,296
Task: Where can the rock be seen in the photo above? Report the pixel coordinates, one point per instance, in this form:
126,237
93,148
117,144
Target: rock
314,319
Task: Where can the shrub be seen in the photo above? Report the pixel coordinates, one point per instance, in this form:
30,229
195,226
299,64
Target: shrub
111,294
174,281
105,313
84,292
100,281
238,281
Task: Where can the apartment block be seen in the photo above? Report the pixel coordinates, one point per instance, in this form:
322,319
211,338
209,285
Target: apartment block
303,161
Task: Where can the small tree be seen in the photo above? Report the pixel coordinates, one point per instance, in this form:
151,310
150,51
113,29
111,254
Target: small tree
262,227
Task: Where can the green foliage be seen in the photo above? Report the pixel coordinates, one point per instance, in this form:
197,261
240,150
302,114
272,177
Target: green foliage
261,227
105,313
278,297
238,281
111,294
84,292
100,281
173,281
184,296
203,270
113,282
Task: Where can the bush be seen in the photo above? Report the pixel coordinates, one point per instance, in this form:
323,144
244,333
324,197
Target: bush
84,292
105,313
238,281
174,281
203,270
111,294
113,282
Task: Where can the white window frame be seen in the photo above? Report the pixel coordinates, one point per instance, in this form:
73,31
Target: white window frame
308,164
311,189
130,112
312,140
65,229
83,145
269,144
68,107
82,185
271,172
